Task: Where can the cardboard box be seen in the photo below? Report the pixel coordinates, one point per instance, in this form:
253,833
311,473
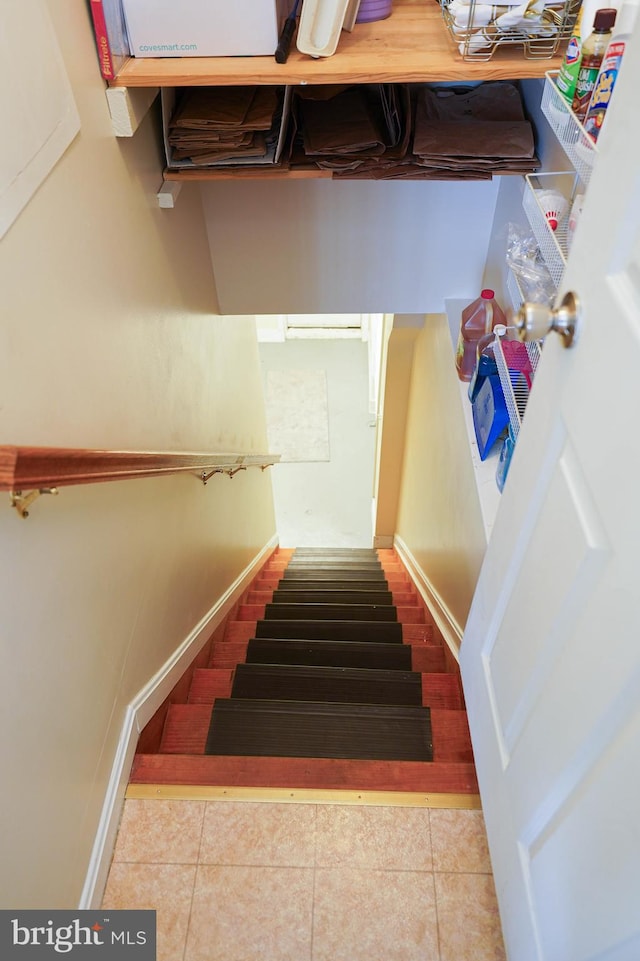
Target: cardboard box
204,28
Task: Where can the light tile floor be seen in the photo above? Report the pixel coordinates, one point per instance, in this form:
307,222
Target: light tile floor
262,881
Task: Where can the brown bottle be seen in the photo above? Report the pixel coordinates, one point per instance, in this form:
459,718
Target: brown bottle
593,51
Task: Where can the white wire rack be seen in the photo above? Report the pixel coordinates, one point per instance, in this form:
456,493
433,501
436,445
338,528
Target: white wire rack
552,243
571,135
515,386
516,297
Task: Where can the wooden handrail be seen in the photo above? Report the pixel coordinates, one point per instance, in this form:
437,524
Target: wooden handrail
46,468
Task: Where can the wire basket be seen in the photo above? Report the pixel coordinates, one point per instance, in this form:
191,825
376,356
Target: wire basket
553,244
515,386
573,138
514,290
479,29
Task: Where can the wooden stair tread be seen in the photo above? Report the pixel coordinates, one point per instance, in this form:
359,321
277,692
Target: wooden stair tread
290,728
329,653
332,574
316,683
312,773
370,631
303,611
377,597
187,727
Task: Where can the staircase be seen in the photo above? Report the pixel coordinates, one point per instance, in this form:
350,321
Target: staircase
330,675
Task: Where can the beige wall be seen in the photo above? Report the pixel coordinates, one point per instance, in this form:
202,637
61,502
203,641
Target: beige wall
439,518
396,363
109,339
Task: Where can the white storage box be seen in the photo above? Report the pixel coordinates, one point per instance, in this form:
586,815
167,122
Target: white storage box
204,28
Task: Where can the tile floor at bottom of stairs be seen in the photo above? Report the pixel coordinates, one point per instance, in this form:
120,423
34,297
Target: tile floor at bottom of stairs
270,881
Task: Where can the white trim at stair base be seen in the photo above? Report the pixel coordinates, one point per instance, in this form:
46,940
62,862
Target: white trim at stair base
450,629
139,712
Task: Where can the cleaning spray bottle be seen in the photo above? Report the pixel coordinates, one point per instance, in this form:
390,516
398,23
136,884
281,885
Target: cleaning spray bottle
568,75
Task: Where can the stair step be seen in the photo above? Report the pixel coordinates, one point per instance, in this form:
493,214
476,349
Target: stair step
336,684
429,659
282,596
185,729
227,654
326,653
273,580
208,683
371,631
305,773
291,585
442,691
451,736
339,560
330,612
410,614
315,574
268,728
337,568
336,552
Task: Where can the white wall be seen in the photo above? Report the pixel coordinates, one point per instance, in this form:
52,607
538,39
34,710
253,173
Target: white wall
328,503
108,338
317,246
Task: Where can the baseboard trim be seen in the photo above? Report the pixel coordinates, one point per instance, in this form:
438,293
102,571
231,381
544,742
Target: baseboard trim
140,710
449,628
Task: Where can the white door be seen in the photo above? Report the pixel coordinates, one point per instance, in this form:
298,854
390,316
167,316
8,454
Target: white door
551,654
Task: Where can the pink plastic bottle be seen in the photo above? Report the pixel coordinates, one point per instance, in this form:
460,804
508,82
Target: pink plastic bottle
478,319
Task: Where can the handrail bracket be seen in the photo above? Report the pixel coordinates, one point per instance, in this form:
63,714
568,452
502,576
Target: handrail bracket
229,471
22,502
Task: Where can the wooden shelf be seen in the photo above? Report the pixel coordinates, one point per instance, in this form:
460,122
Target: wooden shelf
412,45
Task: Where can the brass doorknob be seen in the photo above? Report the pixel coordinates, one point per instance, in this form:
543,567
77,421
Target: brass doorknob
535,321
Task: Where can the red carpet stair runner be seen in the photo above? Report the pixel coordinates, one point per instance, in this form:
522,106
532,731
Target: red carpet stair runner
331,675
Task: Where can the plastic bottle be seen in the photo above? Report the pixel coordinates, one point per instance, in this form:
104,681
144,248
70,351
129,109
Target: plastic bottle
485,359
479,318
568,75
608,73
593,51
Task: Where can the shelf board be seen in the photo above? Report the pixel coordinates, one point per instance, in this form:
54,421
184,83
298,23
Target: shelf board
412,45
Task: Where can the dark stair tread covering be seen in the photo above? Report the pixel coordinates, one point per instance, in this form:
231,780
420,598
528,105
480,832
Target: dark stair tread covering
343,574
330,612
372,631
333,561
337,684
372,588
264,728
377,655
331,597
336,552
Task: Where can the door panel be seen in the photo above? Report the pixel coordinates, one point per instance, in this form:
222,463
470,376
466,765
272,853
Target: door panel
550,658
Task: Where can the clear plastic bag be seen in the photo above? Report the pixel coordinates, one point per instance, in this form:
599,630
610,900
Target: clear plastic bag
524,260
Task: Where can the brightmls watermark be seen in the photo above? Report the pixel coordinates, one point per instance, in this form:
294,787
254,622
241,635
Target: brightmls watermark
79,935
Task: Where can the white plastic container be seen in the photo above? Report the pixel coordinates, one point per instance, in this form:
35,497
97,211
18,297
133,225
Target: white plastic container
320,24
